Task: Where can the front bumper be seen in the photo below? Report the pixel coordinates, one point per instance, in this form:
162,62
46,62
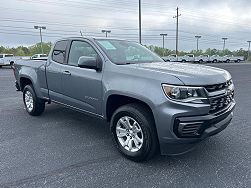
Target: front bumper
173,143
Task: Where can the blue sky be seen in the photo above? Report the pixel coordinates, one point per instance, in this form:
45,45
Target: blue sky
210,19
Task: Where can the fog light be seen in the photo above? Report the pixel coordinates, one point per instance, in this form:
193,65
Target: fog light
189,129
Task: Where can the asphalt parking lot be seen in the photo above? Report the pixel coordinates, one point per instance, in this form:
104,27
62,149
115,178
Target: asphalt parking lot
63,148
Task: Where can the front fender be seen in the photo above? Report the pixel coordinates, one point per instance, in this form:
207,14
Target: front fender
141,98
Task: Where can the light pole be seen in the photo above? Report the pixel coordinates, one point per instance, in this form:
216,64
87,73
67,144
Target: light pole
40,31
224,42
249,47
106,31
81,33
163,35
197,37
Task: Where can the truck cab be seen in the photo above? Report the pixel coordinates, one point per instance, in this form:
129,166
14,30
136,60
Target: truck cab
6,59
39,57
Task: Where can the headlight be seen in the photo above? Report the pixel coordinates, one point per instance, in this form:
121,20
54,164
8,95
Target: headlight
185,94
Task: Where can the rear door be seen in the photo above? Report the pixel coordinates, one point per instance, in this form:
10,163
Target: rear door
82,87
54,67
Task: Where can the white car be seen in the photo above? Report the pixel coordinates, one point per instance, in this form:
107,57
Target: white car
187,58
39,57
6,59
172,58
215,58
202,59
229,58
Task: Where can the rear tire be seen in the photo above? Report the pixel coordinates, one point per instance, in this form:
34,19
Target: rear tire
138,141
33,105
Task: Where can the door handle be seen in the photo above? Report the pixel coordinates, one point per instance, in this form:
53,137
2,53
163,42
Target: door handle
67,73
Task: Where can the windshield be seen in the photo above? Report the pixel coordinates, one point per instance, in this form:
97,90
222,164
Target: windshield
9,55
125,52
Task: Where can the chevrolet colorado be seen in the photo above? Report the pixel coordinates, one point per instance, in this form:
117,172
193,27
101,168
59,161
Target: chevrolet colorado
151,105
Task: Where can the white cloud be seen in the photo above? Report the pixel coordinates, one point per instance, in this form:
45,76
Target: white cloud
212,19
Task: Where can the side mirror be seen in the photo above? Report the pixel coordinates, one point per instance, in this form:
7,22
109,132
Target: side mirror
89,63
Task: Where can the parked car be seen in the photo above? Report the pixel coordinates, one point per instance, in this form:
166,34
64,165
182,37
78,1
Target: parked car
39,57
187,58
215,59
171,58
150,105
202,59
229,58
6,59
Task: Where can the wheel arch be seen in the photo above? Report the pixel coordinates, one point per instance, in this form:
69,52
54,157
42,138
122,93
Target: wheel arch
114,101
24,81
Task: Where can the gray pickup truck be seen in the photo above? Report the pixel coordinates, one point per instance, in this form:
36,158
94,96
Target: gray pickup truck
151,105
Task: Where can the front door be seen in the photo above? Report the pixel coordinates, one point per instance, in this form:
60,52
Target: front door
82,87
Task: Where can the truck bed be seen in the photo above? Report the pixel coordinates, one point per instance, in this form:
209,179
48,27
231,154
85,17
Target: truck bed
36,70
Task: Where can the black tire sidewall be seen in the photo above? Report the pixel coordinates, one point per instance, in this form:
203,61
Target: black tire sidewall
38,104
144,124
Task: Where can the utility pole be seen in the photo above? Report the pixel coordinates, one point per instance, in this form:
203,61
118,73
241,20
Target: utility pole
40,32
177,29
106,31
81,33
224,43
163,35
249,47
140,39
197,37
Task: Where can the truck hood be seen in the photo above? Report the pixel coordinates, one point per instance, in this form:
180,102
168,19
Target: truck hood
189,74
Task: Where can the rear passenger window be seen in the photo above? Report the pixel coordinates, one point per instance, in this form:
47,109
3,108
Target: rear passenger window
58,53
1,56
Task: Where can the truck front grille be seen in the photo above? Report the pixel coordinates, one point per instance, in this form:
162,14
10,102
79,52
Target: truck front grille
217,87
219,103
221,95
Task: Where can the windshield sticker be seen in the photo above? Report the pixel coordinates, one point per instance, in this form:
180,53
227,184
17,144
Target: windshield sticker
107,45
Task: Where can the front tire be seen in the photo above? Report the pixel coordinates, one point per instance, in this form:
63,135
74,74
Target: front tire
134,132
33,105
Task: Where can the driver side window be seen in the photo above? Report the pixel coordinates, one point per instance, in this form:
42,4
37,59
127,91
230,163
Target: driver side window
78,49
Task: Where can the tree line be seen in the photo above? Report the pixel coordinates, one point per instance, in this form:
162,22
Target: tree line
26,51
210,51
36,49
